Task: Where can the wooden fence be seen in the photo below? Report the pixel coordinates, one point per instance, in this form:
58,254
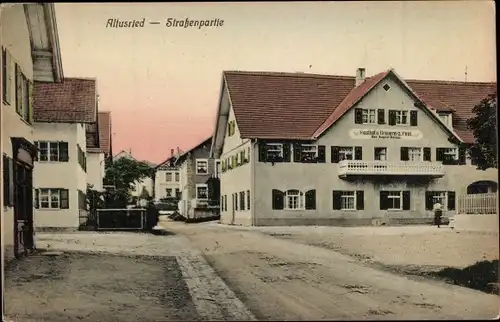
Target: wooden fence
478,204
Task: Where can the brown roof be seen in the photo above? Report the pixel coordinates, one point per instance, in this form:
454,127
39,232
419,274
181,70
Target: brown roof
71,101
271,105
104,121
183,155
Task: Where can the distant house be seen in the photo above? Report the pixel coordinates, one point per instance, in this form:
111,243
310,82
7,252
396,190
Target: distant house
146,184
199,182
98,138
62,112
30,52
166,180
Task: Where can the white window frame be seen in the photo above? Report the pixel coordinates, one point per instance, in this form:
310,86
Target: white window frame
384,154
294,200
171,173
218,169
47,196
198,161
346,198
201,185
48,152
451,151
343,151
395,195
169,192
369,116
401,116
274,148
438,196
415,152
309,150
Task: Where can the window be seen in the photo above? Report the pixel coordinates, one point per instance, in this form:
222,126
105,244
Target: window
274,150
380,154
201,166
82,158
202,191
231,128
178,193
218,168
177,177
6,76
346,153
248,199
415,154
395,200
294,200
340,153
52,151
369,116
169,192
401,117
451,155
23,95
242,200
348,200
168,176
308,152
445,198
52,198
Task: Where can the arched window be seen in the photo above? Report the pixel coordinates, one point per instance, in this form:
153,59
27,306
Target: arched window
294,199
485,186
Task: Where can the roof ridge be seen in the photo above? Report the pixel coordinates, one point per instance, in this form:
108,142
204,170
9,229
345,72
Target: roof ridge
451,82
287,74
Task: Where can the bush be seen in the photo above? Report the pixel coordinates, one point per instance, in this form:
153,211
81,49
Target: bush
481,276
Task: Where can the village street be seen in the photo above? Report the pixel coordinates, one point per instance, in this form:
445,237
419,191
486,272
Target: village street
263,274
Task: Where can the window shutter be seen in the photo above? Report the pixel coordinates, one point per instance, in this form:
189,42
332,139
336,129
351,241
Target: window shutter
321,154
413,118
406,200
429,202
297,152
37,199
248,199
335,154
439,154
8,79
31,100
404,154
462,156
278,199
427,154
451,200
6,180
262,152
337,200
64,195
19,90
63,152
311,200
358,116
383,200
286,152
358,153
381,116
392,117
360,200
11,182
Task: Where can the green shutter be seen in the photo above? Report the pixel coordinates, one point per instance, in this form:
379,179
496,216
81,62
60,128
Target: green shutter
31,100
19,91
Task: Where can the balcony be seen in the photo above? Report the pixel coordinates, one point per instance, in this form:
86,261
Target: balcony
382,168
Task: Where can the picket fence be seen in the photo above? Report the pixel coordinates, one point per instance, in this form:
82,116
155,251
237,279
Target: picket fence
478,204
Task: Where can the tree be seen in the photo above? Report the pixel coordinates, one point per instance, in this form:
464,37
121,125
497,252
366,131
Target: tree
484,126
145,194
123,173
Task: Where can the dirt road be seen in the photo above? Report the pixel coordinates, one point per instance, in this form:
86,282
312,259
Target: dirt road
279,279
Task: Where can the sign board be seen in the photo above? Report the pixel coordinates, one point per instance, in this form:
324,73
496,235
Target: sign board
386,134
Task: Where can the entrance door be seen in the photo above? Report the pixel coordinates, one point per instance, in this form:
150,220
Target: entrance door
23,209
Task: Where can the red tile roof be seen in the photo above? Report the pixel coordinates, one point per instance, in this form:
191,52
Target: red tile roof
271,105
105,134
71,101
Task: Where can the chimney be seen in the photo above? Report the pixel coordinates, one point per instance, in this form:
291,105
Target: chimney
171,152
360,76
178,151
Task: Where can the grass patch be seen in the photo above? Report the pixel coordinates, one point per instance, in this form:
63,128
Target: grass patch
481,276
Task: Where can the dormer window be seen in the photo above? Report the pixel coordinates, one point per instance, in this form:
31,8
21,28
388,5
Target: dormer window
446,118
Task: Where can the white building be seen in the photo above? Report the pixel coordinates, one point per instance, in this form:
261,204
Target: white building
30,52
61,113
167,178
343,150
145,184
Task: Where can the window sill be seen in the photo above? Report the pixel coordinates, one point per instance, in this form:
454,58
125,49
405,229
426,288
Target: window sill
201,173
24,121
396,210
290,209
52,161
5,103
348,210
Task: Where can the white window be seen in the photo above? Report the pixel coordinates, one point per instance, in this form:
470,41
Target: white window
394,200
218,168
52,151
415,154
201,166
381,154
369,116
168,176
402,117
451,153
202,191
309,152
346,153
439,197
177,176
169,192
294,200
50,199
348,200
274,150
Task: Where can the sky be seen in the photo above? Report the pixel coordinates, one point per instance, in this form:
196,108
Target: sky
162,84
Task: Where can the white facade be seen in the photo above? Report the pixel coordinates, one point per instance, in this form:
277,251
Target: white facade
95,169
167,183
54,177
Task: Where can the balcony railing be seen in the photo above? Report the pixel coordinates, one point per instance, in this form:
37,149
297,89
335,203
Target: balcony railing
356,167
204,203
